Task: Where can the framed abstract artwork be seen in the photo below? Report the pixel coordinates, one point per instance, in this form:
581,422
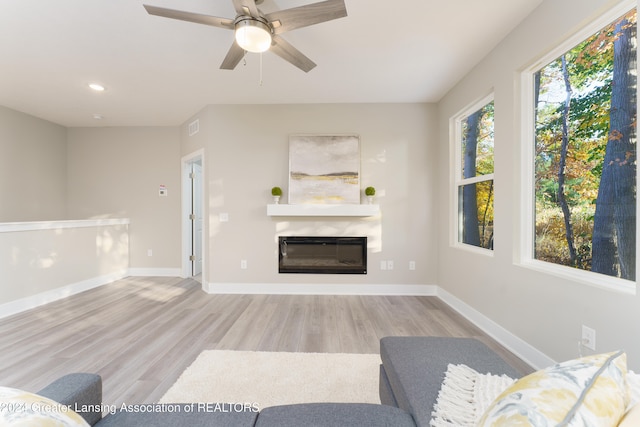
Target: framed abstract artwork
324,169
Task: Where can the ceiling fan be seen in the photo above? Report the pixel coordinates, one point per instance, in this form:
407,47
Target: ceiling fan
257,32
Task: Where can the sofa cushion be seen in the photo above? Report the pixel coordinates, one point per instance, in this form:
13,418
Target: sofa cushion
334,415
180,414
19,407
415,368
590,391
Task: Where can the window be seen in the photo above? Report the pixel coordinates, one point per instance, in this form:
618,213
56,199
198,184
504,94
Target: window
474,175
584,166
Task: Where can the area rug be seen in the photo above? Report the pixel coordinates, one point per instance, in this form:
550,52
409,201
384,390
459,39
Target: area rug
277,378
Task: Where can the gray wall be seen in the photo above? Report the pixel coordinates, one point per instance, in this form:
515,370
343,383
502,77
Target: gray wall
117,173
33,161
544,310
49,172
246,153
38,266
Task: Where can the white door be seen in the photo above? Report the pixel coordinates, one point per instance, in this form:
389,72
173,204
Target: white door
196,218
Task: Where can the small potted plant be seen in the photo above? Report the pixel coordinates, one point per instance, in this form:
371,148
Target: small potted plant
276,192
370,192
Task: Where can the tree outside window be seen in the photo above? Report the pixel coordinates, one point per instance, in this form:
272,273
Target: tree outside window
585,154
475,179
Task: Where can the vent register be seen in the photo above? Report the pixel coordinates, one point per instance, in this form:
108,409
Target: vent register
194,127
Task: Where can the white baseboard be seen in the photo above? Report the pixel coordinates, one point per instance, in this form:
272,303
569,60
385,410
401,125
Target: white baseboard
517,346
318,289
27,303
155,272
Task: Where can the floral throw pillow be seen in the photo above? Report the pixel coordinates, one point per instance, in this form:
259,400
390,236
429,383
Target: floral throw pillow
590,391
21,408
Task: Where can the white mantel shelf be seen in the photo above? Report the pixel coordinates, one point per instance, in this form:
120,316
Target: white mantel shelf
323,210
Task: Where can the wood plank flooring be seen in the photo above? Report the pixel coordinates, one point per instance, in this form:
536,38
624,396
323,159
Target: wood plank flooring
139,334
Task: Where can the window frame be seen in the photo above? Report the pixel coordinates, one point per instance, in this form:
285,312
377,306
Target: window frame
524,253
455,132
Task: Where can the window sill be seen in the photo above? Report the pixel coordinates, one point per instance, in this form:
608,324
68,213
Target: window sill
473,249
601,281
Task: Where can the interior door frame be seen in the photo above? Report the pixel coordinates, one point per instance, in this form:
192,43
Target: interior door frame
187,161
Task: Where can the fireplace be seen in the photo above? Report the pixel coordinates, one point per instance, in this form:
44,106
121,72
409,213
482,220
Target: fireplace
322,255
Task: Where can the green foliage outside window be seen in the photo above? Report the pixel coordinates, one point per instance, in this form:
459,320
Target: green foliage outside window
475,188
585,154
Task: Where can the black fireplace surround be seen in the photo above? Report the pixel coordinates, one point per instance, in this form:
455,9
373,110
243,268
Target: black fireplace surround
322,255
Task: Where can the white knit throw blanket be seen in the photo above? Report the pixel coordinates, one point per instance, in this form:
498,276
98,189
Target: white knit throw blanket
464,396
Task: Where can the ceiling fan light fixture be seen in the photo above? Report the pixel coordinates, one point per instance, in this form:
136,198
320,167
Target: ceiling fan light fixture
253,35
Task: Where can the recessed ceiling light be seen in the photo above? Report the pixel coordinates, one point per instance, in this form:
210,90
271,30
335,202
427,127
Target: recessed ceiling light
98,116
97,87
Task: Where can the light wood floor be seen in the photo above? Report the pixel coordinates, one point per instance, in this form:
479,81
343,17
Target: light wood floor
139,334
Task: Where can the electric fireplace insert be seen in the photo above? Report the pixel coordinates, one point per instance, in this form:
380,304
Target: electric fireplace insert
322,255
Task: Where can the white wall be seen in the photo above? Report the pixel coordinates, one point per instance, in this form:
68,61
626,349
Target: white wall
32,168
117,173
48,260
50,173
544,310
246,153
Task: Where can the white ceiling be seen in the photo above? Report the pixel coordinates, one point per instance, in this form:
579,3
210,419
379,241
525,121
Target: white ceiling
160,71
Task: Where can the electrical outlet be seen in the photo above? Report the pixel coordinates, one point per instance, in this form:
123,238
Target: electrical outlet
243,264
412,265
588,337
149,252
389,265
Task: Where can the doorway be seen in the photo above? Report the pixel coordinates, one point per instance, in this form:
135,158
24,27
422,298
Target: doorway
193,216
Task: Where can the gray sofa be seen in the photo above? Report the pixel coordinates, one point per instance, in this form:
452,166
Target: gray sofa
413,368
410,375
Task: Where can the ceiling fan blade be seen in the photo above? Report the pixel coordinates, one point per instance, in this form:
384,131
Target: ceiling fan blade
190,16
234,56
303,16
246,7
286,51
